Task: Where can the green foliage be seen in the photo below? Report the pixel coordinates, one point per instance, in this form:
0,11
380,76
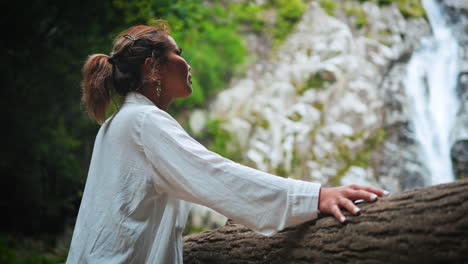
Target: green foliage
190,228
219,139
316,80
248,15
281,171
359,14
329,6
384,2
13,253
7,254
295,117
44,159
211,41
361,20
289,12
409,8
360,158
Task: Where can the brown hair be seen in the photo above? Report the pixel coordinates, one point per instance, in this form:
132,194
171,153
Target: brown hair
122,71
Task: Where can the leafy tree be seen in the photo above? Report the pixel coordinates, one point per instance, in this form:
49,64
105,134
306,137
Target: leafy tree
48,138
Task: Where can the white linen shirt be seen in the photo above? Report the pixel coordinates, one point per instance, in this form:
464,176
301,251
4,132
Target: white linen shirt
144,172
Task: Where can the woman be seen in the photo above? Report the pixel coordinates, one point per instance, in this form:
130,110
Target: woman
145,168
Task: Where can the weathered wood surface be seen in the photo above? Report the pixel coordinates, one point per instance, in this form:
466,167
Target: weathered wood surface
428,225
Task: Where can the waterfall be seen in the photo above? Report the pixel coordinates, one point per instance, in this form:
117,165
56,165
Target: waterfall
431,88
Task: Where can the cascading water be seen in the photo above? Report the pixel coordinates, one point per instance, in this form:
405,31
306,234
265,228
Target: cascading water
431,87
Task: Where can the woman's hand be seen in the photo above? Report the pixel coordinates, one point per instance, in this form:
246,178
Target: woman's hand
332,199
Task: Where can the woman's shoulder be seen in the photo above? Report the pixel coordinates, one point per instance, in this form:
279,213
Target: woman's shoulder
137,104
153,117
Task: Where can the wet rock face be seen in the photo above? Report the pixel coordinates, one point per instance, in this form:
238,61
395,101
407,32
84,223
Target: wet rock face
315,111
459,155
462,87
461,127
457,16
456,13
398,158
400,161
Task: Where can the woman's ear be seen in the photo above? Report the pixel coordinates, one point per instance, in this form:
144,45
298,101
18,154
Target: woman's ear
148,65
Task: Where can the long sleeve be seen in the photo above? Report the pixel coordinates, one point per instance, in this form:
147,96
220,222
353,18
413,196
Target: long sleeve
188,171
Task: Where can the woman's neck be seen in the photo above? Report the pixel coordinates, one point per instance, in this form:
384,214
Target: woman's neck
162,102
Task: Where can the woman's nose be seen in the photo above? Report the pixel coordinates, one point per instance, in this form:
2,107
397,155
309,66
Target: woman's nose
189,68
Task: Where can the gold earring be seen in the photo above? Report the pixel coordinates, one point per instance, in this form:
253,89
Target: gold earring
156,79
158,87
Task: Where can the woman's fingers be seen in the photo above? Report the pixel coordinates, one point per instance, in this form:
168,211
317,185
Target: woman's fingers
335,210
335,198
349,205
361,195
370,189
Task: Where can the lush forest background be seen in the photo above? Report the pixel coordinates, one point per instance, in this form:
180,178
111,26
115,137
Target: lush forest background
48,136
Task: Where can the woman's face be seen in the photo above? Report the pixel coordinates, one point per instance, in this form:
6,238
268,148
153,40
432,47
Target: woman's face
175,75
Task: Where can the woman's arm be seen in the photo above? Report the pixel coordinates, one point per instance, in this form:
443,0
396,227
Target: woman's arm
263,202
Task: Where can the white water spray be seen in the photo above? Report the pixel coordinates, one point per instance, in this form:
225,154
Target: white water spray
431,87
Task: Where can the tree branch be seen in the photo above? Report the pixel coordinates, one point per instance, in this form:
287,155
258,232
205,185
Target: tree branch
428,225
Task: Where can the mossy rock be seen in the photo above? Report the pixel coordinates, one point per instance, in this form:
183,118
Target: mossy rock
329,6
411,8
360,158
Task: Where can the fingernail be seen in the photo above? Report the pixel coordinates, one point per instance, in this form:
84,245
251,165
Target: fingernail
373,197
358,201
342,219
386,192
356,210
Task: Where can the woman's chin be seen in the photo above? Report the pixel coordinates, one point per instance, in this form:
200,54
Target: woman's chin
189,90
186,92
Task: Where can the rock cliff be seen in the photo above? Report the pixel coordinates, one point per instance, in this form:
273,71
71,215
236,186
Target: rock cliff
329,105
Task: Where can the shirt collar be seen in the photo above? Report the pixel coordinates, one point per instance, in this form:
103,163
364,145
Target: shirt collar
138,98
